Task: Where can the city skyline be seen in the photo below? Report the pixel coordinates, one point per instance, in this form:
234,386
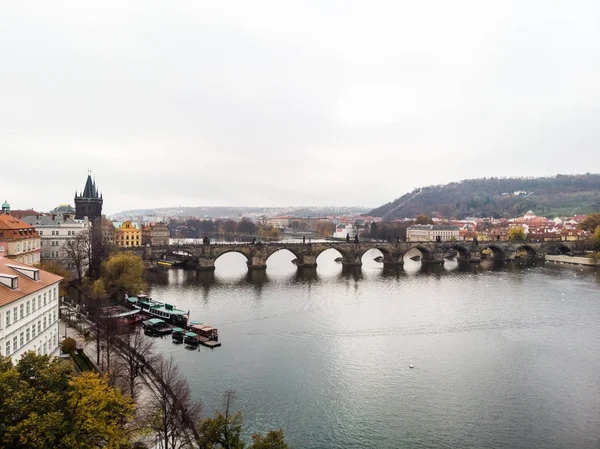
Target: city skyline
274,104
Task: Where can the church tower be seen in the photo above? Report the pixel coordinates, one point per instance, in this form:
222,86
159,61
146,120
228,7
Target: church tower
89,204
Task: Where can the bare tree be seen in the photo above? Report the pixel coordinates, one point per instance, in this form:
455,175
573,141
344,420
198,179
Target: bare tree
79,251
136,351
174,414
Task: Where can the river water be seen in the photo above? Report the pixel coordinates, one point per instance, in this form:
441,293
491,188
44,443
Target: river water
504,357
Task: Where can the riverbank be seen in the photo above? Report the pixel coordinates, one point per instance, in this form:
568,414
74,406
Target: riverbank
587,261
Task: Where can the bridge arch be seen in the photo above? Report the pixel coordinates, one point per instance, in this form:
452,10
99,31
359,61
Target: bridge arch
426,253
344,254
558,248
229,251
497,253
463,253
531,252
296,254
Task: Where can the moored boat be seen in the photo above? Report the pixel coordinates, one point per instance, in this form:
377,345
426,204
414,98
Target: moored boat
191,338
178,334
167,312
156,326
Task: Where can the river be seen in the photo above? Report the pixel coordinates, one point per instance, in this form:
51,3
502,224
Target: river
504,357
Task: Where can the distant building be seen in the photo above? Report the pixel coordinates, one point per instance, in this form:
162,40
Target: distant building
28,310
279,222
89,204
156,234
345,230
127,234
18,240
56,231
431,233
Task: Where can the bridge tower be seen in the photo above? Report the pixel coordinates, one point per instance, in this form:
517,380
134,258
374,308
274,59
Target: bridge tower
89,204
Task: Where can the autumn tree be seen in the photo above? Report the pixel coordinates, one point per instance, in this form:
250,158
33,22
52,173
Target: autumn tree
59,270
597,238
516,233
272,440
590,223
45,406
123,273
422,219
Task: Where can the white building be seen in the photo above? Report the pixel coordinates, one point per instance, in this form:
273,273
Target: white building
28,310
55,232
431,233
342,230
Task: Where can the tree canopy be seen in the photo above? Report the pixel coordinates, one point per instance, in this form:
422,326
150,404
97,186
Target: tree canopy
516,233
45,406
123,273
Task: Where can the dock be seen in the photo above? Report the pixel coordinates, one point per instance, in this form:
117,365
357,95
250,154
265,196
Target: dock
208,343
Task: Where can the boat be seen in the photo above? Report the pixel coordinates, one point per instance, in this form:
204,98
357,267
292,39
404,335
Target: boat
178,334
167,312
156,326
191,338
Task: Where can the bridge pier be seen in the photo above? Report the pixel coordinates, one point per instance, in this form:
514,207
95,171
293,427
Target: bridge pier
432,261
205,264
306,261
256,263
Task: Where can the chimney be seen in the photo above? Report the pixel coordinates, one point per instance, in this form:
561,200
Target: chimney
53,216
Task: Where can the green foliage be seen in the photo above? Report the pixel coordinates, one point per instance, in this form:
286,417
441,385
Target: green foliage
272,440
221,431
597,238
423,220
497,197
516,233
590,223
68,345
123,273
44,406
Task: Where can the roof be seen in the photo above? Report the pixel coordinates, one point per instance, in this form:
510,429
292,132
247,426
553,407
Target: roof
10,228
21,213
89,190
155,321
26,285
436,227
52,220
5,204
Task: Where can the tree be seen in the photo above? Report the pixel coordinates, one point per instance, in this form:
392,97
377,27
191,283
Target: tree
122,274
591,222
79,251
597,238
516,233
272,440
423,219
224,430
59,270
136,352
173,413
45,406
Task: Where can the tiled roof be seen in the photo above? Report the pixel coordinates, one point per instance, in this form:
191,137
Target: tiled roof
10,228
26,285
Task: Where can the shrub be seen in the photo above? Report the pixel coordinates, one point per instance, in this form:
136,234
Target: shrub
68,345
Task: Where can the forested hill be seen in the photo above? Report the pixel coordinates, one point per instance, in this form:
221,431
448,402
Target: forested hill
499,197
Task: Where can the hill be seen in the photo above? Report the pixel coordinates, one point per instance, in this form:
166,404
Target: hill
499,197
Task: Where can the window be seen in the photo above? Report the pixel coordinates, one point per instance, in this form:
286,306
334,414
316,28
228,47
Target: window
15,316
54,316
27,308
21,309
33,305
45,322
39,302
55,292
41,232
39,326
33,331
27,335
7,318
15,343
45,299
7,347
21,339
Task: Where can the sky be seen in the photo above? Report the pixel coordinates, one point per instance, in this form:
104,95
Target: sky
281,103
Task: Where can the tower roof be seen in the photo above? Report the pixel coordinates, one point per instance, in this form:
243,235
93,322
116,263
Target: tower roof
90,189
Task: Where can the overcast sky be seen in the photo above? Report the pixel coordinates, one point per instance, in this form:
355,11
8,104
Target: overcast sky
291,103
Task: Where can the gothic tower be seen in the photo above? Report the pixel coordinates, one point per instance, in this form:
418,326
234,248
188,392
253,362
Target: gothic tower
89,204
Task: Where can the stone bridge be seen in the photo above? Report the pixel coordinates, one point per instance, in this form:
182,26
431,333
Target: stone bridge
203,257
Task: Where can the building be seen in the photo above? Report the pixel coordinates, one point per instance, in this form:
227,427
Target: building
108,232
28,310
156,234
56,231
281,222
127,234
343,231
18,240
89,204
431,233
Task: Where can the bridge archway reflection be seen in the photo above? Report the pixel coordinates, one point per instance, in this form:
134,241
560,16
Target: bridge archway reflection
231,264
